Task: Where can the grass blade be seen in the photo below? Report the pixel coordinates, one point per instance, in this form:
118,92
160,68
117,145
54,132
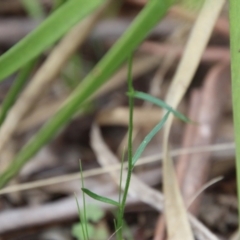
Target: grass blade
16,88
160,103
138,30
80,218
235,62
34,8
84,202
130,150
100,198
43,37
148,138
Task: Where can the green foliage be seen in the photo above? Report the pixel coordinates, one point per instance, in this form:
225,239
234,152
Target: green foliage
15,90
148,138
34,8
73,72
132,160
95,214
78,233
36,11
58,3
192,5
94,233
83,221
100,198
120,214
159,103
43,37
235,63
138,30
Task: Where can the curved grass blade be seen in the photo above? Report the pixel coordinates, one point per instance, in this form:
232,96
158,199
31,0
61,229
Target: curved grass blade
159,103
138,30
100,198
45,35
148,138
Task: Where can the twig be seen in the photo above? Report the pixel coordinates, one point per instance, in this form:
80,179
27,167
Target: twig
114,167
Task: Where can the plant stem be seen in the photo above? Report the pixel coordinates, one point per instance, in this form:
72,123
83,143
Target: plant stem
129,172
84,203
121,171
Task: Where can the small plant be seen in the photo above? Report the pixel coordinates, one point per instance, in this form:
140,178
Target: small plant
132,159
39,40
95,214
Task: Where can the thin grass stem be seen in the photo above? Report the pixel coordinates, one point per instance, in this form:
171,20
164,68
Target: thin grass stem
16,88
80,218
129,172
121,172
84,203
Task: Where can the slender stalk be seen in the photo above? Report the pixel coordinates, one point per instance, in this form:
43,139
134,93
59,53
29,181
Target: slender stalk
129,172
121,171
80,218
84,203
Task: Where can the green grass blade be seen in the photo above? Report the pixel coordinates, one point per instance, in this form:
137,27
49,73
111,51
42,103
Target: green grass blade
45,35
235,64
34,8
148,138
84,202
58,3
120,180
80,218
130,134
100,198
15,89
138,30
160,103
